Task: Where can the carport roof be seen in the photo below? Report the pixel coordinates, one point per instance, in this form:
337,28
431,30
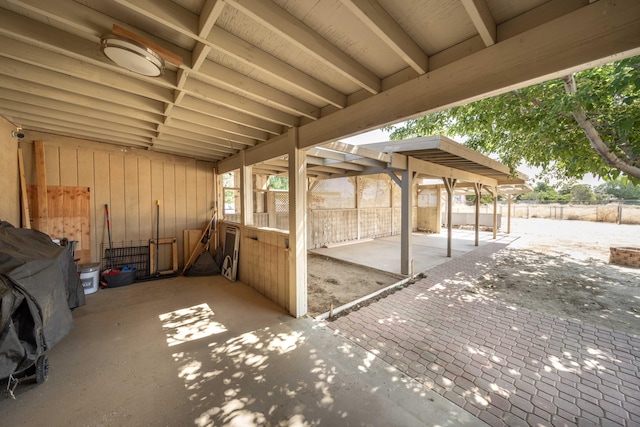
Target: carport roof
242,74
437,156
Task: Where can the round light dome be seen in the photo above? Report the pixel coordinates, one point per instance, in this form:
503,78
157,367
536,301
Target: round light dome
132,55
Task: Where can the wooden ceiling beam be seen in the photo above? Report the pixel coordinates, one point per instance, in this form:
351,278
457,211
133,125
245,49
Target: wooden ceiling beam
214,110
207,131
217,124
188,145
81,120
51,61
234,81
357,151
55,105
378,20
208,16
600,32
274,68
81,101
198,154
166,12
481,16
223,145
222,97
36,74
86,21
296,32
83,133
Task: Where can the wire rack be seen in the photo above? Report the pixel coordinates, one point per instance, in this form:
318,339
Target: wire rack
127,254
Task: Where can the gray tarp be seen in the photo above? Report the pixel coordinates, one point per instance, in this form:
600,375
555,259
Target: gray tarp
39,285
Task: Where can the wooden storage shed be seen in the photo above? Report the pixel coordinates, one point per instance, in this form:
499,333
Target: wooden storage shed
256,86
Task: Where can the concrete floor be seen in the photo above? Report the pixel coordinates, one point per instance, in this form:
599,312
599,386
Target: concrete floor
428,250
205,351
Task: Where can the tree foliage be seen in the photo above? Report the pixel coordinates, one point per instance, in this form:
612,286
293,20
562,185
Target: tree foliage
621,189
540,124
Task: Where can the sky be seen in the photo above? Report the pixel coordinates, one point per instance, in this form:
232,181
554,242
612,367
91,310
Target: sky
379,135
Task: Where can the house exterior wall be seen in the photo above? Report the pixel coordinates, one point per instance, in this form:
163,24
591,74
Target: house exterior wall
9,177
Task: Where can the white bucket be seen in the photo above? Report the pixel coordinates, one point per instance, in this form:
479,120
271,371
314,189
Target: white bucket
90,277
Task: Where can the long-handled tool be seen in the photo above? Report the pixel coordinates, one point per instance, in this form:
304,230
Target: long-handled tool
157,272
106,210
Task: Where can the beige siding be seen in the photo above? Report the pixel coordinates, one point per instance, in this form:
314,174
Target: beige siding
9,177
130,181
263,261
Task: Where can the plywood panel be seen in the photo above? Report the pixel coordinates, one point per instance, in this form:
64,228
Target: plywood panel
69,216
57,207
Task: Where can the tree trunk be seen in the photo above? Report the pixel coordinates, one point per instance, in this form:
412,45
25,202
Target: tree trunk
595,140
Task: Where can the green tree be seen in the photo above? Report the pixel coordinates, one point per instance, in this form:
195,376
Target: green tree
278,182
543,193
620,189
587,122
582,193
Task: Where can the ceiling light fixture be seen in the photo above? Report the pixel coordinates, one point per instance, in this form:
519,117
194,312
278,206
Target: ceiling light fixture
132,55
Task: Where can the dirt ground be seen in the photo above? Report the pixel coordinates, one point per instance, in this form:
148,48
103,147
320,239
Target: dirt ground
340,282
558,267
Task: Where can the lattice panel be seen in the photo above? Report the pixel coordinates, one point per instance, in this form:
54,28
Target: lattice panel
282,202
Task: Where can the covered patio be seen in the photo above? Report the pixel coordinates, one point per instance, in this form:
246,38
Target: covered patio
408,163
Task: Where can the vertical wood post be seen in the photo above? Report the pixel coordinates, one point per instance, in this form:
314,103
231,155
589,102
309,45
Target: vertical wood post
449,185
24,199
406,221
297,227
509,198
246,193
42,210
494,191
477,188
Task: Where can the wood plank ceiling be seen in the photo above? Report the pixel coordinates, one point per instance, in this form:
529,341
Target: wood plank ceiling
254,68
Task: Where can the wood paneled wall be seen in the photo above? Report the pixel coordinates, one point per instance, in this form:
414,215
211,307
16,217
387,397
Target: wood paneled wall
263,261
130,181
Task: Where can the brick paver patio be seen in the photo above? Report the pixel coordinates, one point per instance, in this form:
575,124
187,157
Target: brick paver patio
507,365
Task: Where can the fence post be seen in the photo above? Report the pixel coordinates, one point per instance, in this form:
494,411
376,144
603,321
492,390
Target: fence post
619,213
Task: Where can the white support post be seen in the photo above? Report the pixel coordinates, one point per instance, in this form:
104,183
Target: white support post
405,221
246,193
297,226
